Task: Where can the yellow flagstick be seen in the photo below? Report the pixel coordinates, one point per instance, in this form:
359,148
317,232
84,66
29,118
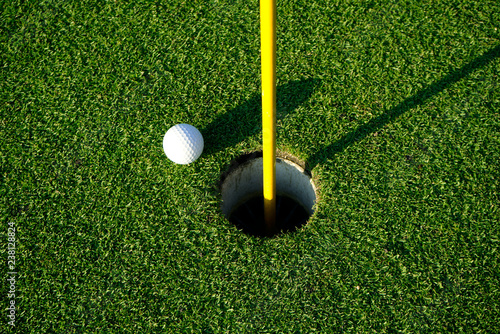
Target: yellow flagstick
268,64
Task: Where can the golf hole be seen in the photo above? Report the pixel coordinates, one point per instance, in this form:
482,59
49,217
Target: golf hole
242,200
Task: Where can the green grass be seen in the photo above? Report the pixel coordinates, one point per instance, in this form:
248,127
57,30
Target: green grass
394,106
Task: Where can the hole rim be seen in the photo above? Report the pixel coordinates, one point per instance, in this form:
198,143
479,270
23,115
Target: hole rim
246,158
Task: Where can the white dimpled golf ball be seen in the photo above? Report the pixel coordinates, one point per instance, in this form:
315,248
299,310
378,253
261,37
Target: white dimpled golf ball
183,144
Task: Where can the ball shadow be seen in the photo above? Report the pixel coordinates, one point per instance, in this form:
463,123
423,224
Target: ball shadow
246,119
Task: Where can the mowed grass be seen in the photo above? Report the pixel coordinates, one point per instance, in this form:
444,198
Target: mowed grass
393,105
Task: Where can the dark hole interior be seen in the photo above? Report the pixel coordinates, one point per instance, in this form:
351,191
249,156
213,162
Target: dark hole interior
249,216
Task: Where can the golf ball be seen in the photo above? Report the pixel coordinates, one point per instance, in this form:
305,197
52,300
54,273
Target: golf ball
183,144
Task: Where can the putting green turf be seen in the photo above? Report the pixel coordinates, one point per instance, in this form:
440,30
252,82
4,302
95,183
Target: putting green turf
394,106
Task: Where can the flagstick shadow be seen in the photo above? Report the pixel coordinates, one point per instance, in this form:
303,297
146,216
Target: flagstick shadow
246,119
419,98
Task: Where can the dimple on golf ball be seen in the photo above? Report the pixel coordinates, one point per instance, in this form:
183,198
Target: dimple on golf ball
183,144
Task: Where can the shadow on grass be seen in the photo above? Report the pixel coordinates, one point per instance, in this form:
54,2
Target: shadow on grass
246,119
420,97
